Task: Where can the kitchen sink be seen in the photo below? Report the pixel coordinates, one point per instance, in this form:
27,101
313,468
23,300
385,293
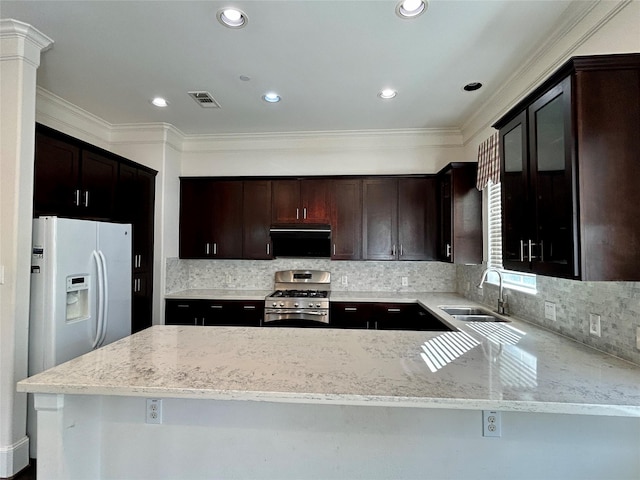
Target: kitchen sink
472,314
465,311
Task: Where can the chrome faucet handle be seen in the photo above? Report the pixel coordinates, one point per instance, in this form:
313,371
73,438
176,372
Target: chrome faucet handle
502,306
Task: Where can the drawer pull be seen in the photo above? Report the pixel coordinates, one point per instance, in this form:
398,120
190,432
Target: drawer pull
249,307
215,306
393,310
183,306
350,309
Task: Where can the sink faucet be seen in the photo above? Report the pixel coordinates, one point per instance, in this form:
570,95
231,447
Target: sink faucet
502,301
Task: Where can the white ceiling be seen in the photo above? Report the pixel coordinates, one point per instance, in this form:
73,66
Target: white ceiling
327,59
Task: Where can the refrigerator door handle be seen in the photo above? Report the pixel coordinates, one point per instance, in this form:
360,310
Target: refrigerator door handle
105,303
100,297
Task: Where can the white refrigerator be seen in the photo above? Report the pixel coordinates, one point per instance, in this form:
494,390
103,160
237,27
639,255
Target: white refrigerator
80,292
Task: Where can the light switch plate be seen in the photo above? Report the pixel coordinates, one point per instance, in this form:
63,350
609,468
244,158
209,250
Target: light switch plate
550,311
405,281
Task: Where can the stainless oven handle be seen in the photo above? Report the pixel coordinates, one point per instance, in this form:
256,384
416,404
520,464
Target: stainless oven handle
306,312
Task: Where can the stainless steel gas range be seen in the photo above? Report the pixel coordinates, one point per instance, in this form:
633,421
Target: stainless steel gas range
300,299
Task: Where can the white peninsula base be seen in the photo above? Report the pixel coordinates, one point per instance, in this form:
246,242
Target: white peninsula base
91,437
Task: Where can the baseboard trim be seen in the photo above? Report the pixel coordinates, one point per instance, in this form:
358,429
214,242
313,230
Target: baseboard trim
14,458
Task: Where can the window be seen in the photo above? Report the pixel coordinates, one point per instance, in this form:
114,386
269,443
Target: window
516,280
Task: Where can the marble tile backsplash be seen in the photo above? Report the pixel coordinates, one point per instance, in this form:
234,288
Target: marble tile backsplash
360,276
617,303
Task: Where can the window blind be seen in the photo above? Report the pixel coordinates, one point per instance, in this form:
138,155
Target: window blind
495,225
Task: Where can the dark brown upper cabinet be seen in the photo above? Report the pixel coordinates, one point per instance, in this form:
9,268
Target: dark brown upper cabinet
210,218
399,218
301,201
346,219
569,154
73,181
460,214
256,242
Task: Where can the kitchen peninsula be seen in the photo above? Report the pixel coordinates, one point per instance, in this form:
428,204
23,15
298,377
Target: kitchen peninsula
337,403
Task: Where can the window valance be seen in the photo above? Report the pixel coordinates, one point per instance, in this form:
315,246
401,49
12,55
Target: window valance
488,162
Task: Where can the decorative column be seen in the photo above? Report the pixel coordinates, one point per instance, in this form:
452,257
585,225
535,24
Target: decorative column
20,49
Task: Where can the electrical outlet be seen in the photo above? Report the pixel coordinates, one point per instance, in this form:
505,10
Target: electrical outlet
491,423
154,411
594,324
550,311
345,281
405,281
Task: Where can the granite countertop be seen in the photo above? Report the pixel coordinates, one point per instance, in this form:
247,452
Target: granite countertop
511,366
218,294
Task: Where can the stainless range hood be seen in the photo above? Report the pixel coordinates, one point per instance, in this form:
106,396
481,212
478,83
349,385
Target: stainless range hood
301,240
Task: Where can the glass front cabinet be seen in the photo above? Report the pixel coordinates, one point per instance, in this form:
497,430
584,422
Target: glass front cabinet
568,163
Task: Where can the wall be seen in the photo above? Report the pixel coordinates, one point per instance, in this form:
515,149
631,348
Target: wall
361,276
322,153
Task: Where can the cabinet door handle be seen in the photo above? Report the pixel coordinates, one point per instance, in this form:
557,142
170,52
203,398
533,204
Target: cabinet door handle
304,213
401,252
393,250
217,307
183,305
207,248
86,198
541,251
215,248
448,251
76,202
350,309
297,214
249,307
268,248
529,250
393,310
522,250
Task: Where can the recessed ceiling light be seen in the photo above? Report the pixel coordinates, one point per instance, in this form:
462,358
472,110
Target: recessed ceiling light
271,97
470,87
387,93
411,8
232,17
159,102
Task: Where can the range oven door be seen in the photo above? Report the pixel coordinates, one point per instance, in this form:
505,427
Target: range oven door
284,317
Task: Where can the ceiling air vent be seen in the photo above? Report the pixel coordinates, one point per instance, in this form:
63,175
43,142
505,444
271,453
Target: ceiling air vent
204,99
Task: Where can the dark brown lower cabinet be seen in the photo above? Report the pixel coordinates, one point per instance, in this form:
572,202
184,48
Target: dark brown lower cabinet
241,313
350,315
384,316
405,316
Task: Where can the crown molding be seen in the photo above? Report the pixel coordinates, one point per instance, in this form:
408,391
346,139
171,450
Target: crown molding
15,28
